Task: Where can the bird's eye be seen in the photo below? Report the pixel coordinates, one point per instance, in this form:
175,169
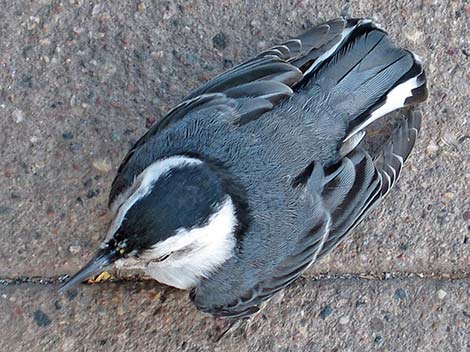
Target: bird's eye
162,258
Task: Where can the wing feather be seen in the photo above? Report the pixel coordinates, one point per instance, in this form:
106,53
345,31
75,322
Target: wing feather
340,197
250,89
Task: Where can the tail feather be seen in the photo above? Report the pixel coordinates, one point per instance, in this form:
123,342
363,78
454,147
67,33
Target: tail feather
410,89
363,74
322,49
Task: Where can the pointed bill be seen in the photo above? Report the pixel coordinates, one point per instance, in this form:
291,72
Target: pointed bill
98,263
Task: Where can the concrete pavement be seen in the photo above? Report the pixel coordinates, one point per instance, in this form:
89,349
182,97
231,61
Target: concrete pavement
81,80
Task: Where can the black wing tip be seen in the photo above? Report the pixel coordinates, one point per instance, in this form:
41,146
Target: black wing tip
390,160
419,94
414,119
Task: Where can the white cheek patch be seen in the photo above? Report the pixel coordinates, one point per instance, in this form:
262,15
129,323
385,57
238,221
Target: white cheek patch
195,252
142,186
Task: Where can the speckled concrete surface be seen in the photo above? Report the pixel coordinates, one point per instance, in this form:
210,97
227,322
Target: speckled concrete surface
327,315
81,80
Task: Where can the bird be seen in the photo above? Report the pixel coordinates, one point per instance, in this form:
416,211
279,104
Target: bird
260,172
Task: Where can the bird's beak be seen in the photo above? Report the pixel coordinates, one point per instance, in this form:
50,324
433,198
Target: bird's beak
101,260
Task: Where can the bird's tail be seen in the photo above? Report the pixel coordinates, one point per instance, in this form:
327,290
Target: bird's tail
364,75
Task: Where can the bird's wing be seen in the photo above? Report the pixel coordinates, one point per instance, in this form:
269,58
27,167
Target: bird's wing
388,164
338,198
253,87
301,54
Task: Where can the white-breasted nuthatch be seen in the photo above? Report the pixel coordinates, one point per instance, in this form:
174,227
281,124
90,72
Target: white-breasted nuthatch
258,173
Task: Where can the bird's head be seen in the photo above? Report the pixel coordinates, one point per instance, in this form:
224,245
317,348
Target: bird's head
179,211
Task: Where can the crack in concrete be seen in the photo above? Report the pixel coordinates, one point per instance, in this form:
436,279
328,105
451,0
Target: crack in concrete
459,275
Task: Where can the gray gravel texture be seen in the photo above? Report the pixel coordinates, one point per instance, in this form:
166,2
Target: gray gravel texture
326,315
80,81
